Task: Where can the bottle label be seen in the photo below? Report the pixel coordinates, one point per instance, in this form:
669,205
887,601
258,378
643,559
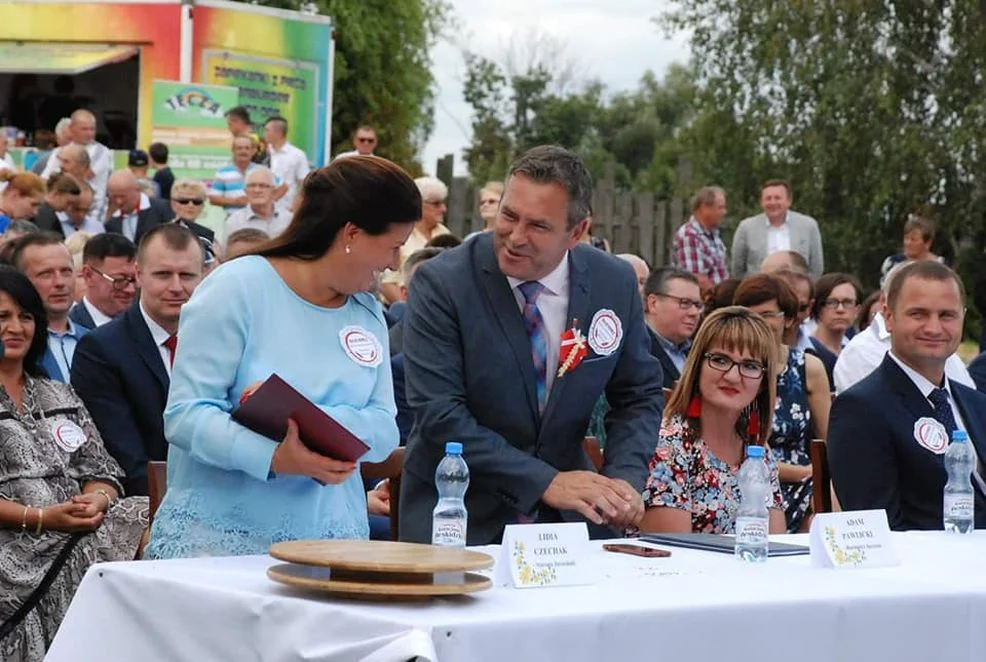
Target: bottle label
751,530
959,506
448,532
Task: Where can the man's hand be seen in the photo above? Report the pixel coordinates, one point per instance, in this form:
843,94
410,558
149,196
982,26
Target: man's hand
636,501
601,500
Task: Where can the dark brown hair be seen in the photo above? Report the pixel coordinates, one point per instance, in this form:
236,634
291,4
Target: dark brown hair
778,182
828,282
756,289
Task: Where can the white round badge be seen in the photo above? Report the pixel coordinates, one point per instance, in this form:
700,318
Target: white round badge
930,434
361,346
67,435
605,332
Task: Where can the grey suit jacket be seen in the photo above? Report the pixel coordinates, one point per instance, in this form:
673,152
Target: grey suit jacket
470,378
750,243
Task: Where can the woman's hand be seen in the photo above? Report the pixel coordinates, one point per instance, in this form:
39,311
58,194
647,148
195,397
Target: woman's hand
294,458
378,499
91,504
70,517
250,390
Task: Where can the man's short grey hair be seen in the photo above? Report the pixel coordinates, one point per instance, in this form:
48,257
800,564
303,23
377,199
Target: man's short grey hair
416,258
551,164
260,170
432,189
706,196
61,129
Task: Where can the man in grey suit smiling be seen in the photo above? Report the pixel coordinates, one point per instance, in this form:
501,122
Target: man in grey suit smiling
776,229
483,344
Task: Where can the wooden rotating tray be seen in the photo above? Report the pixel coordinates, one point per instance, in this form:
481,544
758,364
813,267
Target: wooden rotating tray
372,569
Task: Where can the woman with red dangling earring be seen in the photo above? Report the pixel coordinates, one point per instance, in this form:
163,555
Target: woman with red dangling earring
710,418
801,411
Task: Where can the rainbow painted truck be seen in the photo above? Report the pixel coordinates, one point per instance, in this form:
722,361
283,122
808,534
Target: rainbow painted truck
106,56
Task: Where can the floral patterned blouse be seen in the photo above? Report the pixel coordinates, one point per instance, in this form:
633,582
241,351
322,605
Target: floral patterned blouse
686,475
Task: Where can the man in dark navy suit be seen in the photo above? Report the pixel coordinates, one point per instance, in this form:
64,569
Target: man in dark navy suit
108,271
483,342
888,433
673,309
122,370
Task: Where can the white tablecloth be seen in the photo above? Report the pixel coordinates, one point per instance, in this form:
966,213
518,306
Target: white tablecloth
694,606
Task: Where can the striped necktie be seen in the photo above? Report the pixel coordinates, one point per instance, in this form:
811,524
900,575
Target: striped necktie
539,338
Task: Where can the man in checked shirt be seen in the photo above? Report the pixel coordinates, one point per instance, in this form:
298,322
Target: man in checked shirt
697,247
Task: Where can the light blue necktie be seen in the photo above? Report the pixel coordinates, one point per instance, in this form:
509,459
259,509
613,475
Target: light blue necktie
539,337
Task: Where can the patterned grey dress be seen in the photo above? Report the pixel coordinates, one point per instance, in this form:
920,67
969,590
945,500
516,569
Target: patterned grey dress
36,469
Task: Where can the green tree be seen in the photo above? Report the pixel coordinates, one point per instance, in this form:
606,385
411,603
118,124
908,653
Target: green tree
383,69
873,110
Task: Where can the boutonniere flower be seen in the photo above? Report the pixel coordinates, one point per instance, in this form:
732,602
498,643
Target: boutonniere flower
573,349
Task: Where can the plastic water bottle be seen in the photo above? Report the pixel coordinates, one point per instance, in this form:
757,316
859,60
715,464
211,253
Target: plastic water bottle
449,519
958,512
752,519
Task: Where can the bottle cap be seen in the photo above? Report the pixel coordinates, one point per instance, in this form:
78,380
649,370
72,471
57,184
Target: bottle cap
959,435
453,448
755,452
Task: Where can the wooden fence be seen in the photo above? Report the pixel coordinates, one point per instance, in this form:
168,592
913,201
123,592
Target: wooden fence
632,222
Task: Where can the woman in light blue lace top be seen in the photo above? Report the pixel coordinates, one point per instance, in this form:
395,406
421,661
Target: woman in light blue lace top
297,308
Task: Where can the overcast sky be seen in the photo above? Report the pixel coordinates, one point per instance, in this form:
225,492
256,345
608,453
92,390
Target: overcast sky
613,41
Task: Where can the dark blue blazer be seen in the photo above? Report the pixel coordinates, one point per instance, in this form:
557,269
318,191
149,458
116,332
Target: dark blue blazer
875,461
80,315
977,370
119,373
668,368
405,415
159,212
470,378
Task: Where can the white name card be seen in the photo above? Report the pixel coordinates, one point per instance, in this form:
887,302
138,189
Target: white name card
853,539
539,555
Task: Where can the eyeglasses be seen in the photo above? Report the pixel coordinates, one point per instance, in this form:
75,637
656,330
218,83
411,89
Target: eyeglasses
685,304
772,313
190,201
836,303
803,307
366,140
119,284
488,201
258,185
435,203
722,363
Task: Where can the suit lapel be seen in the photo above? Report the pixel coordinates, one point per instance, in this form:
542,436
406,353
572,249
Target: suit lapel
910,396
508,315
578,309
146,348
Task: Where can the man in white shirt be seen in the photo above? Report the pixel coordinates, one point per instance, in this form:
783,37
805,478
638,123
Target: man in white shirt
76,218
868,347
83,132
288,163
261,213
364,140
122,370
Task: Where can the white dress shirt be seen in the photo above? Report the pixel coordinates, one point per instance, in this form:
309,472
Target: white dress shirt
89,224
129,225
778,237
866,351
247,218
98,318
160,336
553,304
101,164
291,165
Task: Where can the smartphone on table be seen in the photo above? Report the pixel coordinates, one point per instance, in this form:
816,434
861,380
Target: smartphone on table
636,550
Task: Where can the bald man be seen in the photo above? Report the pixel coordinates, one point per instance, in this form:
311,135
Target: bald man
640,268
82,130
132,212
784,261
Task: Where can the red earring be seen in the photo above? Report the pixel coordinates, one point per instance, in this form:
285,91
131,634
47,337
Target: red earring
753,424
694,407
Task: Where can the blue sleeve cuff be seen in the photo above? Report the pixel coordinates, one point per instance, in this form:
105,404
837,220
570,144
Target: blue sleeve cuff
252,454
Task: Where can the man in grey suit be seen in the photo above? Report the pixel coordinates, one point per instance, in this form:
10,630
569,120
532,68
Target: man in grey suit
776,229
482,343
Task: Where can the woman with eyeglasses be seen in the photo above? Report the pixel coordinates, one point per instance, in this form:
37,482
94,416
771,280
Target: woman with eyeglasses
836,304
803,400
722,404
489,204
188,197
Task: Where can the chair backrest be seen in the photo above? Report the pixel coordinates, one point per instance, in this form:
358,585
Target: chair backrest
392,468
157,485
591,447
821,489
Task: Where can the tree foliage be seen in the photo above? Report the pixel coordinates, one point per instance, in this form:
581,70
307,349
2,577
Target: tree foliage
872,109
383,69
517,105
